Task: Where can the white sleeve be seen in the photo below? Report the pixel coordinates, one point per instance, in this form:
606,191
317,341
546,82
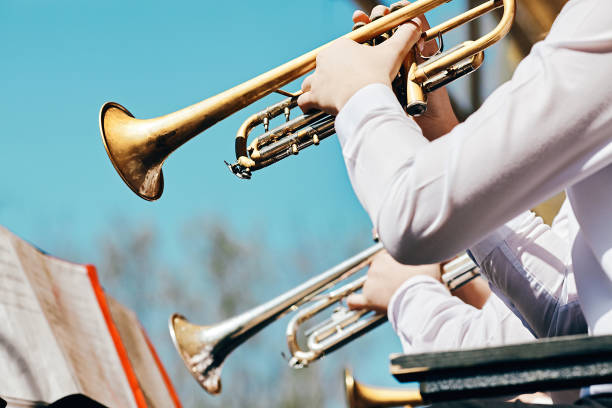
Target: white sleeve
428,318
533,137
528,265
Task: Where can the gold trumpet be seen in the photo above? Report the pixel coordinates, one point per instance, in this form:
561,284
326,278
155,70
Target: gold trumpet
138,148
204,348
364,396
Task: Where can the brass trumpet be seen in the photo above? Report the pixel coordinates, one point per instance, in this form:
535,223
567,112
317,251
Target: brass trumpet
138,148
204,348
364,396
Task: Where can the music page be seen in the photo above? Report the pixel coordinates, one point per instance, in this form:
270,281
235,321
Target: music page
33,366
157,389
57,328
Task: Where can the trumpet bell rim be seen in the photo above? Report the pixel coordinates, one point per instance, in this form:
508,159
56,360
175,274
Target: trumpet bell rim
349,388
148,184
172,329
210,380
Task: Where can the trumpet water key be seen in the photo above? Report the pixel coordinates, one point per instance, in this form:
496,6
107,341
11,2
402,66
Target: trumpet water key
138,147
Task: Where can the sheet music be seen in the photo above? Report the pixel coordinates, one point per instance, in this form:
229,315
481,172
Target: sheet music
28,370
79,346
151,381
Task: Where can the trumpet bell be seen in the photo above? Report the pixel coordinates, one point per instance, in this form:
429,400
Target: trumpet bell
349,389
196,354
137,159
359,395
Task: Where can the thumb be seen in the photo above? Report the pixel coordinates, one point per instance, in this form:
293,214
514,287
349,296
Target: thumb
357,301
306,102
402,42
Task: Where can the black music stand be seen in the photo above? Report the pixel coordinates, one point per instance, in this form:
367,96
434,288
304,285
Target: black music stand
548,364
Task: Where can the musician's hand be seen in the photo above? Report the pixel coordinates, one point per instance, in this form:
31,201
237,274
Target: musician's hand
440,117
385,276
345,67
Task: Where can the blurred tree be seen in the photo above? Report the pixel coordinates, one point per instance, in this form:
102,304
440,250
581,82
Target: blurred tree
220,276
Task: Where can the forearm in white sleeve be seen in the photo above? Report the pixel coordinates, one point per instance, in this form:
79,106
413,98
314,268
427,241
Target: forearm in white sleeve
528,265
533,137
428,318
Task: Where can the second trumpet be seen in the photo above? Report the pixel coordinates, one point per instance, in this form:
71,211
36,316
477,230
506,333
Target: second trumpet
204,348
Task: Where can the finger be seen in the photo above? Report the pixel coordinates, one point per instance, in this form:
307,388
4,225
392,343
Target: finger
357,301
360,17
307,83
420,20
424,23
401,43
378,12
306,102
399,4
429,48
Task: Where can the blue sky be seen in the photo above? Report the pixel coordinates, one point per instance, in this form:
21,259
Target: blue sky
61,60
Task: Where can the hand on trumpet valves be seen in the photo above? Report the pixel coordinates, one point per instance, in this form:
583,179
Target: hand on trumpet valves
345,67
385,276
439,119
332,90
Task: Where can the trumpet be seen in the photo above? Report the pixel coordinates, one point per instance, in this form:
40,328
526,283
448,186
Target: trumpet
365,396
204,348
138,148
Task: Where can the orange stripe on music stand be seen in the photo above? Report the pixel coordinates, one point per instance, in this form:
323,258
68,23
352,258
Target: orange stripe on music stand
112,329
162,370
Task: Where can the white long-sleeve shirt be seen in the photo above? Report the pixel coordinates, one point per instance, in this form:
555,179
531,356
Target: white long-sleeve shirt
427,318
528,264
548,129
